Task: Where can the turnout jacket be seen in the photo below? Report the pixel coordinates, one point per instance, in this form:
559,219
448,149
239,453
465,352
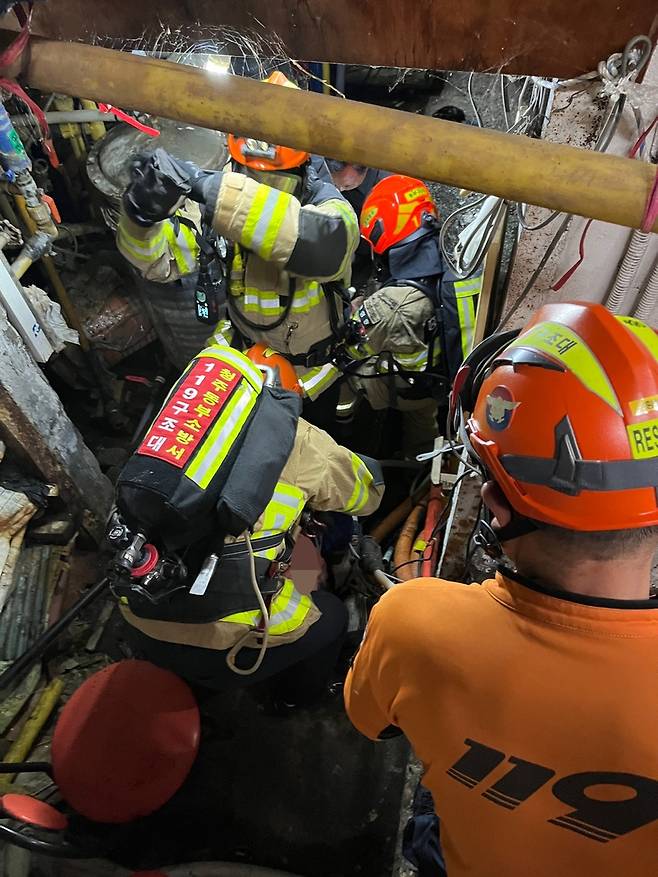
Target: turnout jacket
290,237
319,474
395,322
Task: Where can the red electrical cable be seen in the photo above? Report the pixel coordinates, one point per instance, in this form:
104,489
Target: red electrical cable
130,120
7,58
650,211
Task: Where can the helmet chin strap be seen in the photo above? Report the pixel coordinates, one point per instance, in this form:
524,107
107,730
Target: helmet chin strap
490,537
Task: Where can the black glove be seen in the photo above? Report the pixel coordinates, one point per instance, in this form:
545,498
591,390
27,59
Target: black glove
158,182
205,184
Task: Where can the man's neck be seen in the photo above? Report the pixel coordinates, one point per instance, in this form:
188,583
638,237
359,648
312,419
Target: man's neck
625,578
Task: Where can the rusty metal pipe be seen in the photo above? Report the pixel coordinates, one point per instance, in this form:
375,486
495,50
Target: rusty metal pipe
517,168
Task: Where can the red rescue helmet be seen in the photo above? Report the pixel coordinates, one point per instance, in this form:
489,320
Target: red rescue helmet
564,417
394,210
278,371
260,155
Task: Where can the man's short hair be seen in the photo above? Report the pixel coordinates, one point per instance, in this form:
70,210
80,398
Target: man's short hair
602,544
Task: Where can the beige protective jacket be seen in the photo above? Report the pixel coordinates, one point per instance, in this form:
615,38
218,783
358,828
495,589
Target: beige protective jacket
287,244
393,319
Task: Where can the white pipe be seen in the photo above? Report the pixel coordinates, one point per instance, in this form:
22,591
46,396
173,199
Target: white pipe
635,252
648,302
61,117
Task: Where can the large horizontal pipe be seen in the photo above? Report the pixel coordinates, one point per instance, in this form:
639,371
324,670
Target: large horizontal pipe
517,168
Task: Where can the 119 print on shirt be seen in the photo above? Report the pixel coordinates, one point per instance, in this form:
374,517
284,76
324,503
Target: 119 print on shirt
601,821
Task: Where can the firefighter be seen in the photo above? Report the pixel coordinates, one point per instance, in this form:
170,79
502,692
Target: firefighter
213,633
418,326
530,698
292,238
356,181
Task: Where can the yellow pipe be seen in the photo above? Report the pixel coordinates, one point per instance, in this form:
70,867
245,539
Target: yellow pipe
20,265
53,276
326,76
550,175
96,130
23,744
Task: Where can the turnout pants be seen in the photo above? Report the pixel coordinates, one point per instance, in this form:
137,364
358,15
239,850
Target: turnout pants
299,671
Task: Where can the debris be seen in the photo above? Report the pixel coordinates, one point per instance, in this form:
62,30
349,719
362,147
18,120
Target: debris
97,633
56,530
50,314
15,512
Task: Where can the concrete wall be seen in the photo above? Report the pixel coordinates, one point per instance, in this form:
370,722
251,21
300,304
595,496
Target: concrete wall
575,120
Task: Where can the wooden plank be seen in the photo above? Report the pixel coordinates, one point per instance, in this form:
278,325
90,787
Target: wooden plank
555,38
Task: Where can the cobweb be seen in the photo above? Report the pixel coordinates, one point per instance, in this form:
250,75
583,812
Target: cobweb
254,52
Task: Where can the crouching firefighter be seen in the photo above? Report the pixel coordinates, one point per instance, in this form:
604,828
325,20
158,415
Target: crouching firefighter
417,328
292,237
207,511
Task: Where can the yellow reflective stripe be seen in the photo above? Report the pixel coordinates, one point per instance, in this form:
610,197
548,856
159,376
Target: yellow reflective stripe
288,609
267,302
175,250
645,333
307,297
183,247
466,310
351,226
316,380
251,618
272,232
465,293
568,348
214,450
412,361
468,287
254,215
362,482
236,282
220,336
188,245
145,249
284,508
239,361
348,215
261,301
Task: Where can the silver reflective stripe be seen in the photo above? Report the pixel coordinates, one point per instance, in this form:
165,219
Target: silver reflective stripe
183,243
292,502
211,452
287,613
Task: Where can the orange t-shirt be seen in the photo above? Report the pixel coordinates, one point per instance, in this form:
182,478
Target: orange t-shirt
536,719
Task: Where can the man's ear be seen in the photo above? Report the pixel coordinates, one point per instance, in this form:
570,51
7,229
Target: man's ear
494,499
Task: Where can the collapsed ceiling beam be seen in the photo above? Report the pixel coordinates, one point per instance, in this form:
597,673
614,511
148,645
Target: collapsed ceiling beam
517,168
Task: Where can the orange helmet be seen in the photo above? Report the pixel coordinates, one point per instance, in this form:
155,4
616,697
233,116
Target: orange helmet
393,210
564,417
278,371
261,155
